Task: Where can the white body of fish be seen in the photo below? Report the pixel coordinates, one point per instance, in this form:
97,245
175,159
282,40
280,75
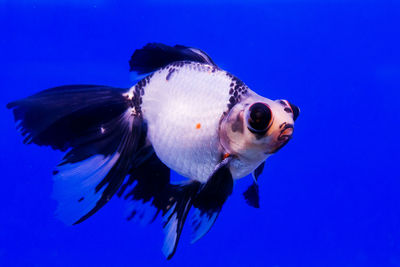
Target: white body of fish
183,110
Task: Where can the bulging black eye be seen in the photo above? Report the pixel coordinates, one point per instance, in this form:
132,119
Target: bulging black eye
296,111
259,118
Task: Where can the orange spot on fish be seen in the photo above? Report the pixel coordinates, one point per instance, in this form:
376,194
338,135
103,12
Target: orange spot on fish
198,126
226,155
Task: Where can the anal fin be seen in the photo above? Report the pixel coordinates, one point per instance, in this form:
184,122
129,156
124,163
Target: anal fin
149,185
175,217
210,199
206,200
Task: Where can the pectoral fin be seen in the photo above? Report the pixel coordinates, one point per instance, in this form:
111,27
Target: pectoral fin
252,195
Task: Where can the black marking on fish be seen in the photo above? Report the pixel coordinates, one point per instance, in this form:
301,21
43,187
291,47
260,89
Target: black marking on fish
288,110
237,90
170,72
237,126
137,100
179,64
196,66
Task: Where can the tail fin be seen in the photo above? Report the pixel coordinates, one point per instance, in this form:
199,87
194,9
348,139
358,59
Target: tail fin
206,199
95,126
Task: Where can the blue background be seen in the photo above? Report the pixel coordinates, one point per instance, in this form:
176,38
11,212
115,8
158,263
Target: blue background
331,197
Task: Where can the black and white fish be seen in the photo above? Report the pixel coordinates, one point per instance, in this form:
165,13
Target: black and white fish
185,114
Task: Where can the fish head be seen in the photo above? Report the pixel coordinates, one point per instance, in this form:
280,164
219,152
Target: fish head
258,127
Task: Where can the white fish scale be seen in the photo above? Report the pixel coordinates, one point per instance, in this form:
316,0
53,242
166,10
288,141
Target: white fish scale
183,115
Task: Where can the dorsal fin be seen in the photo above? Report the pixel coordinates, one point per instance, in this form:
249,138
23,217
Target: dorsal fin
156,55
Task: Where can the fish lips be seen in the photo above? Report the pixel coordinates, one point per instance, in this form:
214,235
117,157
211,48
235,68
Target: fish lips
284,137
286,133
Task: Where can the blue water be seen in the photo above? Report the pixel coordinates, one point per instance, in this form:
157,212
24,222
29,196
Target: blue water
331,197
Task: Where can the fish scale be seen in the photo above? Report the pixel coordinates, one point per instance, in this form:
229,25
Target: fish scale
183,115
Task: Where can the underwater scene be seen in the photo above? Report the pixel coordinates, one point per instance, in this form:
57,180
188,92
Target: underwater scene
255,133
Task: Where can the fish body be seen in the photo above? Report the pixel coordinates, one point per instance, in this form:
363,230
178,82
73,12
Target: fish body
185,114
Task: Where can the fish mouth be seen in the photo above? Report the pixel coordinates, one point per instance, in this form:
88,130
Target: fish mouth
286,133
283,138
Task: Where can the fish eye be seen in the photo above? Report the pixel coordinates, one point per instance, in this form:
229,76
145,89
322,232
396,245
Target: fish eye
259,118
295,110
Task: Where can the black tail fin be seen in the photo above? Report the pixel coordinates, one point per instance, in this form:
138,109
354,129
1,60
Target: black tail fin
95,126
155,55
62,117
